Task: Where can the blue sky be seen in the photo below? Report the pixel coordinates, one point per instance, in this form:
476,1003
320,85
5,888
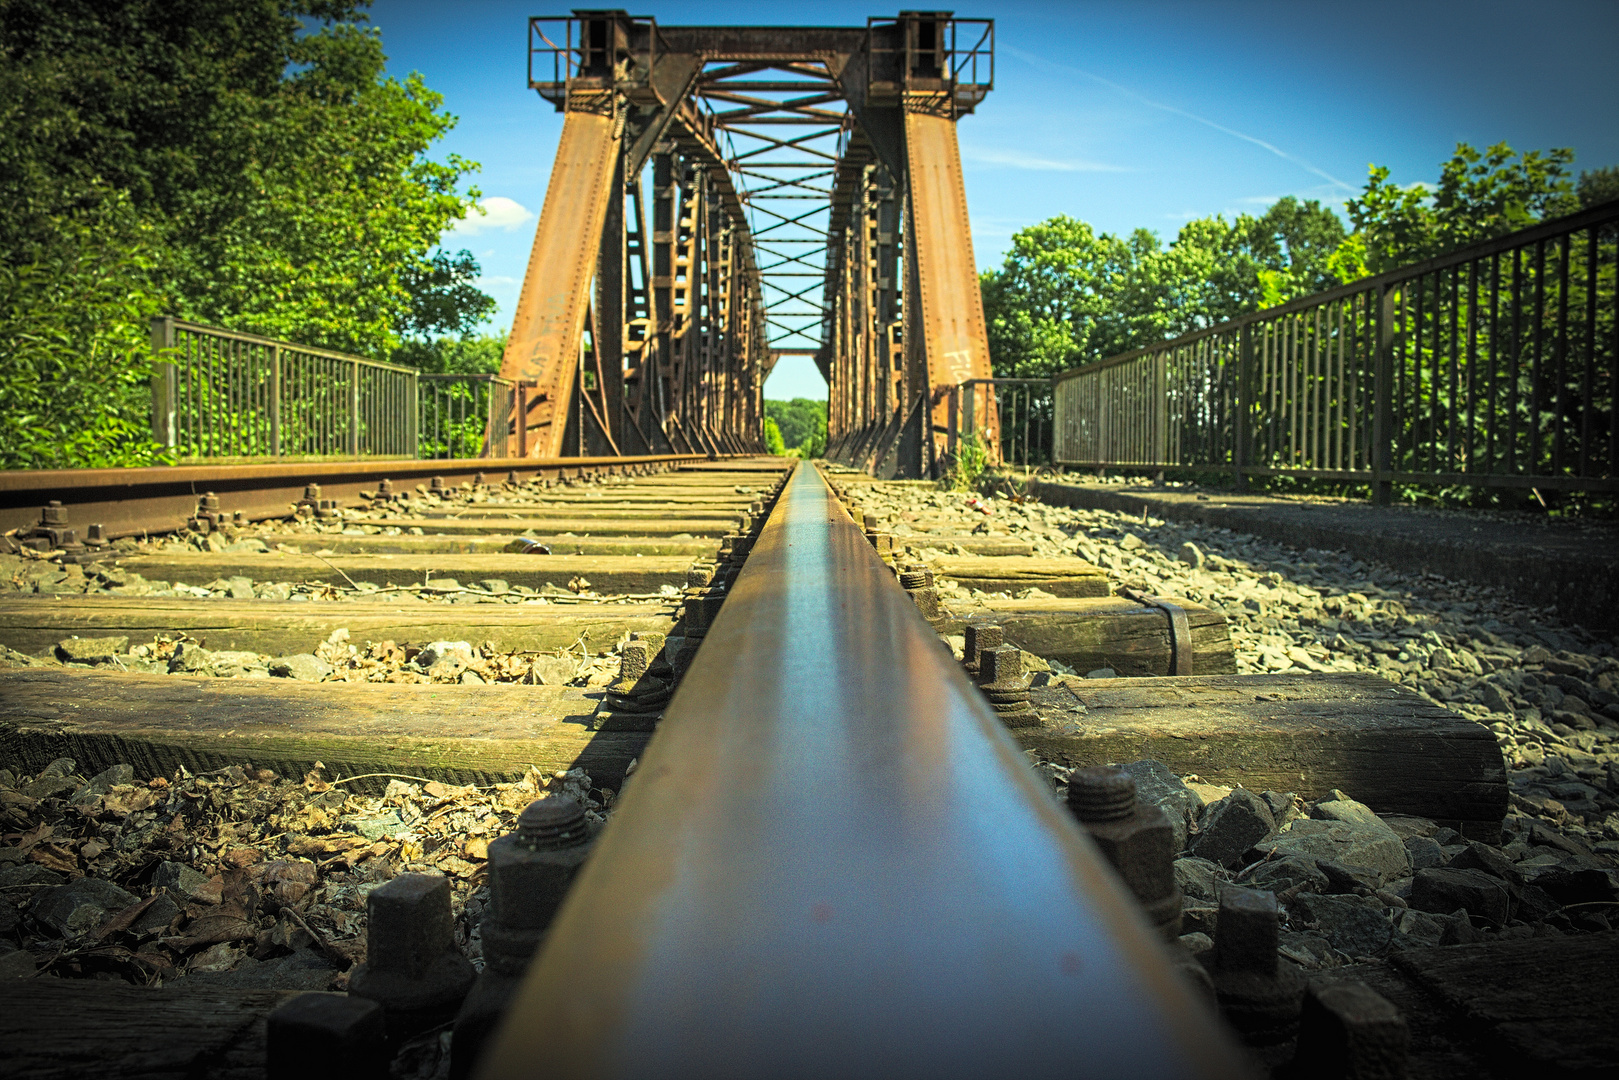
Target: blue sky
1125,115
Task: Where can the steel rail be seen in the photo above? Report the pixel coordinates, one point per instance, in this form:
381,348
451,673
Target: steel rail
834,861
130,502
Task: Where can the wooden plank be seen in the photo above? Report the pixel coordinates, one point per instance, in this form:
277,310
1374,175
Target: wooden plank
606,574
996,546
472,544
1541,1008
1088,633
280,627
527,522
1059,577
66,1029
1307,733
156,723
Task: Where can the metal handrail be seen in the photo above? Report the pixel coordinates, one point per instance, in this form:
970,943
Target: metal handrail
834,860
1496,365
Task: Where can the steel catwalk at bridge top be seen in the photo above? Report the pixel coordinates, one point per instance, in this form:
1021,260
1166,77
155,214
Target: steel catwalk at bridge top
726,196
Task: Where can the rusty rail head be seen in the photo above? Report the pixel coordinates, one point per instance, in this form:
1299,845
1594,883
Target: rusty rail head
834,861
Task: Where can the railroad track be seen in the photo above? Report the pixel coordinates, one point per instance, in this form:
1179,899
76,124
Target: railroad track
834,857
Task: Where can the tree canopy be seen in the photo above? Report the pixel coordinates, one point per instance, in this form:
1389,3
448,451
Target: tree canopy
240,162
800,423
1067,295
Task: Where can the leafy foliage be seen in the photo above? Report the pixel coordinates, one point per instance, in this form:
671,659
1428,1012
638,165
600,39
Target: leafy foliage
245,162
77,360
1067,295
773,441
801,424
1480,195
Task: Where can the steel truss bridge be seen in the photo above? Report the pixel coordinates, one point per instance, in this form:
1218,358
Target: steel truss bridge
724,196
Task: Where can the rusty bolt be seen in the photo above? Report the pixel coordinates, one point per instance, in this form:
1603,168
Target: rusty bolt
913,576
756,507
478,480
1259,994
436,485
343,1033
698,576
311,493
979,638
859,517
1348,1031
385,488
209,503
53,513
95,534
511,478
412,969
1136,838
529,872
1001,678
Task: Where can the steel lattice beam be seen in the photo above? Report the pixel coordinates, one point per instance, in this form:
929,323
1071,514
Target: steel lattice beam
648,322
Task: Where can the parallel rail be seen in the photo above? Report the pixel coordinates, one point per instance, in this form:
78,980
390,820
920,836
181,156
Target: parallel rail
834,861
131,502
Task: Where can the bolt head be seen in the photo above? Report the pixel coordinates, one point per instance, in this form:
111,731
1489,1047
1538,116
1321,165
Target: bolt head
1247,931
1004,663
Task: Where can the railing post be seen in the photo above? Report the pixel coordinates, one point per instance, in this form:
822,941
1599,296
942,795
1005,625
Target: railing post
522,418
972,400
165,385
1382,403
354,408
1242,393
1160,393
415,415
275,401
955,409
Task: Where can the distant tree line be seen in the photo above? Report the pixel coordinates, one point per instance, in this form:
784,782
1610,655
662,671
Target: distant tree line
1067,295
239,162
799,426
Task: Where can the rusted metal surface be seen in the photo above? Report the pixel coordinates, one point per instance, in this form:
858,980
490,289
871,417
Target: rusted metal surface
544,346
129,502
834,861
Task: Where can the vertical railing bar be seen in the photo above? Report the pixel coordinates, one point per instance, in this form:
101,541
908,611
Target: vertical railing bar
1533,464
1560,405
1587,383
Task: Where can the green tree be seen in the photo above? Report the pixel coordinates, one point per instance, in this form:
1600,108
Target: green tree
248,163
1480,195
773,440
800,421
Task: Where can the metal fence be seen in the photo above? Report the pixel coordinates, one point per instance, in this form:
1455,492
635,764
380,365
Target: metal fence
1014,414
459,412
218,393
1495,365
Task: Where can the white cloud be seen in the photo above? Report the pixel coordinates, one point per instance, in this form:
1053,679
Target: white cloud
1011,159
499,212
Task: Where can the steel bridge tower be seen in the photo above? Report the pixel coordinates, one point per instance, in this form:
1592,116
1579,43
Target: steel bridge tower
723,196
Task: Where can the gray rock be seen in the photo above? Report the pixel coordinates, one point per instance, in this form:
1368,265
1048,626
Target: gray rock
438,651
179,879
99,650
103,782
1370,847
1348,879
1199,879
1192,555
304,969
1281,806
1418,929
251,546
1102,673
1231,827
189,658
1424,852
1157,785
554,670
79,906
497,586
1196,944
234,663
1477,856
379,825
14,877
1279,875
157,918
240,588
1442,890
305,667
62,766
1355,928
50,787
1342,808
1307,949
471,678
